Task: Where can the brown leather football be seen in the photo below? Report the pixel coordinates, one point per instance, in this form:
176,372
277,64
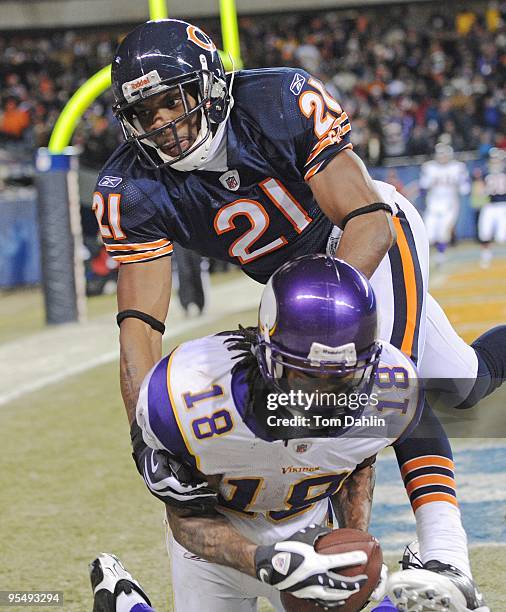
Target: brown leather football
340,541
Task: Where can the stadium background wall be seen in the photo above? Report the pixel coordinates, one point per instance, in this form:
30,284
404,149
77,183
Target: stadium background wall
20,258
18,14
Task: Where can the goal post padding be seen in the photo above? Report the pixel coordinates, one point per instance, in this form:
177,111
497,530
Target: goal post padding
60,233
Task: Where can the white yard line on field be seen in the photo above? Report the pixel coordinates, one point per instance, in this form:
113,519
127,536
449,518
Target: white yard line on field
50,356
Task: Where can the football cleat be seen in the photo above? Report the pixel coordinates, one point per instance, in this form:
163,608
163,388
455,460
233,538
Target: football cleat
435,586
108,579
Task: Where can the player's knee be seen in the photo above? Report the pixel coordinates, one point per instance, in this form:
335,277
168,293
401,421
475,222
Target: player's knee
490,349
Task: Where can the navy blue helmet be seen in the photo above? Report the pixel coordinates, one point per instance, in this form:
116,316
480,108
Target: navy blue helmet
174,58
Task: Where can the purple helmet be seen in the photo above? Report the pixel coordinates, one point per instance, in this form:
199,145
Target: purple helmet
317,320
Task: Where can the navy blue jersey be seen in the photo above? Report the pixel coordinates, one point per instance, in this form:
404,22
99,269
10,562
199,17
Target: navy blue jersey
495,186
283,129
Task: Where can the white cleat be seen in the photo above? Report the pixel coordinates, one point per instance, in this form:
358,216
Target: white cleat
437,587
109,578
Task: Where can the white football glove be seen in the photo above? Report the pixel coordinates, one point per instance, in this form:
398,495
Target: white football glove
293,565
381,589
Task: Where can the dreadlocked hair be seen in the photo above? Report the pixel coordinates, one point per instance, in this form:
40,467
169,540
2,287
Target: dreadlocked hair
245,340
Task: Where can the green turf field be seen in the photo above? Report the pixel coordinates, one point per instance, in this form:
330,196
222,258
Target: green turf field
22,310
70,489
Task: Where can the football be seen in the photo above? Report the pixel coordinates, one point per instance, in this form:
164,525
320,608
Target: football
341,541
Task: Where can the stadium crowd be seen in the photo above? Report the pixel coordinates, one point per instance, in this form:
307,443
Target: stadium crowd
404,75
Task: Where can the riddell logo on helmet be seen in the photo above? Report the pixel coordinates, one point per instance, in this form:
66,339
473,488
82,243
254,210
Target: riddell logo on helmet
132,89
140,83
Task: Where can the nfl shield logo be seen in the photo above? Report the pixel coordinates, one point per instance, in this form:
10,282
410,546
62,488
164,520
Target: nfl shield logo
232,183
230,180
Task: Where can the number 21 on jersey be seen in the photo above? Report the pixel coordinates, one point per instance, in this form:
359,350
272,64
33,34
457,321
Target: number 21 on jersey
258,217
113,229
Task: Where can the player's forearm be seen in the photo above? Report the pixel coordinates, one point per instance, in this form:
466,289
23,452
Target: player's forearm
343,187
352,503
144,287
366,240
213,538
140,349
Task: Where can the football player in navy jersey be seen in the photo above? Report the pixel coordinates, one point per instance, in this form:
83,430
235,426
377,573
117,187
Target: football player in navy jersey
257,168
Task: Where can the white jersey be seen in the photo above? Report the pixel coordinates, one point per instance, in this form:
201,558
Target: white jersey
445,184
495,186
492,220
192,405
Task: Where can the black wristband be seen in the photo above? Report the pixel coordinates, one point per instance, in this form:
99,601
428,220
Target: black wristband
364,210
143,316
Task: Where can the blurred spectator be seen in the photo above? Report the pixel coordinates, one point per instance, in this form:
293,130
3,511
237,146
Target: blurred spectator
464,21
97,139
14,119
404,75
419,143
308,55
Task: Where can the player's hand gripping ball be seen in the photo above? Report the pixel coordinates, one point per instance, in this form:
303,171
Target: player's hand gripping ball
338,542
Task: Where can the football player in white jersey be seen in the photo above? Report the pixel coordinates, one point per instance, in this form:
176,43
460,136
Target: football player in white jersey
445,180
277,421
492,221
